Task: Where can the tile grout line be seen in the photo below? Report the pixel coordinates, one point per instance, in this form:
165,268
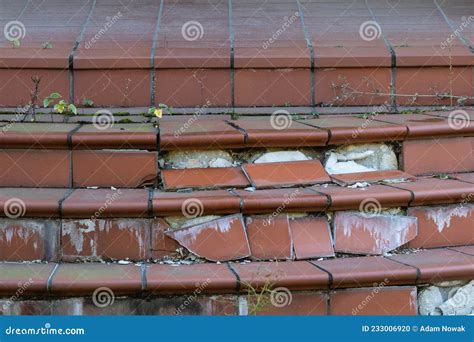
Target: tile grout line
237,277
393,67
152,54
455,250
459,35
73,52
232,54
330,276
49,282
418,272
70,148
312,58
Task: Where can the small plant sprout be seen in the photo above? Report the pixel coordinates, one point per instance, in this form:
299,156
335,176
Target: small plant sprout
61,106
46,45
87,103
16,43
158,111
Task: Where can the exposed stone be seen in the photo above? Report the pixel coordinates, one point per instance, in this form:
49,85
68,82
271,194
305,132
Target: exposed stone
192,159
361,158
443,300
177,222
281,156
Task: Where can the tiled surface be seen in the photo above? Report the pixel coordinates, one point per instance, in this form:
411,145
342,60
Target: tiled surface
362,233
204,178
438,155
124,169
268,175
32,277
161,244
36,135
440,226
440,264
269,237
301,304
364,271
311,238
29,239
385,301
19,202
223,239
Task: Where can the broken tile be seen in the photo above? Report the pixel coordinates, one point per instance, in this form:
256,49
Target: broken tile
267,175
441,226
346,179
218,240
269,237
161,245
311,237
360,233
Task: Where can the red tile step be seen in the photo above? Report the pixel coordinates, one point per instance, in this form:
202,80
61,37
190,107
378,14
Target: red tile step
428,266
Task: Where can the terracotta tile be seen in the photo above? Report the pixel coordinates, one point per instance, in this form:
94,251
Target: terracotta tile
101,203
280,130
365,271
296,303
420,125
17,85
35,135
32,278
361,233
105,239
35,202
132,169
355,86
272,87
349,129
269,237
209,278
464,249
389,301
267,175
222,239
196,203
465,177
29,239
51,168
115,135
346,179
161,245
204,178
295,275
283,200
463,115
437,191
438,265
113,87
438,156
432,81
371,198
200,132
84,279
311,237
193,87
441,226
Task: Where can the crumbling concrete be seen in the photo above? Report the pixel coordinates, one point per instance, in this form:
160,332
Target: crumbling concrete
361,158
192,159
454,298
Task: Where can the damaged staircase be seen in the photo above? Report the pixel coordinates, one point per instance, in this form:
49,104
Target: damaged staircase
226,211
230,210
